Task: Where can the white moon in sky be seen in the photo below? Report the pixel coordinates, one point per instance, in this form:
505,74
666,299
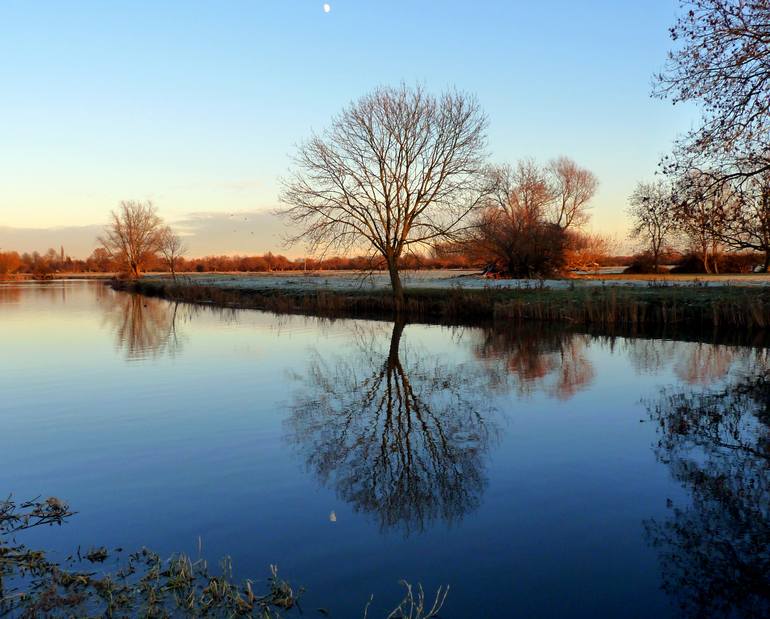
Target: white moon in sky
327,7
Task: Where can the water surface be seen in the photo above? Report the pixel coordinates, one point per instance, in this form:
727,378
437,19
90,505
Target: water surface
539,473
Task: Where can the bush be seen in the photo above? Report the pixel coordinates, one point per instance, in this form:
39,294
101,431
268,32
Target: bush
643,264
726,263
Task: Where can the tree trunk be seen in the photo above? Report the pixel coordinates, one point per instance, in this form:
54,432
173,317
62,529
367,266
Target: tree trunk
395,342
766,267
395,283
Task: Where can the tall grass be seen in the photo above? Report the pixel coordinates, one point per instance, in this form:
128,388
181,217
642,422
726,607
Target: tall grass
606,306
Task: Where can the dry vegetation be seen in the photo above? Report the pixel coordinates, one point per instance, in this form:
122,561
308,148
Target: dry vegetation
691,307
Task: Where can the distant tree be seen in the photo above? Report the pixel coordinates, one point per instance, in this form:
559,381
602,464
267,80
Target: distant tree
585,251
722,62
650,206
100,261
573,188
133,236
701,214
171,248
748,221
397,170
10,261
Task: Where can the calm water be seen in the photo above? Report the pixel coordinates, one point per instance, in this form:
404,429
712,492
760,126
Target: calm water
539,473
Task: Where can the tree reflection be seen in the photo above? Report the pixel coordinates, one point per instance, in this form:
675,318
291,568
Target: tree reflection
535,358
398,435
143,326
715,552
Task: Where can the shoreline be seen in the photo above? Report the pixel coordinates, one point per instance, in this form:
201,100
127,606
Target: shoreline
692,308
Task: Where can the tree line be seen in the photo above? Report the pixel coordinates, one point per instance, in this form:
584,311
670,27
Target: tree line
714,194
402,176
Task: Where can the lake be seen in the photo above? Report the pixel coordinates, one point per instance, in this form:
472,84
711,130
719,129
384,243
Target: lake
537,472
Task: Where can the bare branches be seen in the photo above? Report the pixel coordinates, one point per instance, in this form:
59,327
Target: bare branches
722,62
133,236
573,189
399,168
524,229
651,209
171,247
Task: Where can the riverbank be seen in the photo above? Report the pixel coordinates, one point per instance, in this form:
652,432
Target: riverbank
690,306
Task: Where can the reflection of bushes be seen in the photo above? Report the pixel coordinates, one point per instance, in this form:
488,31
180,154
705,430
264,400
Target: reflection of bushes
715,552
547,359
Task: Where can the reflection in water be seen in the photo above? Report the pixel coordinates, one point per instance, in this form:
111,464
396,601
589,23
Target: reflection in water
534,358
143,326
715,552
398,435
9,294
694,363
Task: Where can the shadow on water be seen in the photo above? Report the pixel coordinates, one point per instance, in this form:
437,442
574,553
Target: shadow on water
398,433
715,551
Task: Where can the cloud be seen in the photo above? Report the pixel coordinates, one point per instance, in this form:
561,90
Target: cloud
78,241
205,233
235,232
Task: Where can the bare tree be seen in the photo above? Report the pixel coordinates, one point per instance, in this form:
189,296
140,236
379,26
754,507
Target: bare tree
399,169
133,236
172,248
573,188
748,220
701,212
525,189
722,63
650,206
512,231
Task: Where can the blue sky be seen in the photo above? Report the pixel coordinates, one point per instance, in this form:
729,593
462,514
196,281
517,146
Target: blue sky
198,105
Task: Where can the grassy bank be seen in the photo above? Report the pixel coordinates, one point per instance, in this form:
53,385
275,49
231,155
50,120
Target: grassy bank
625,307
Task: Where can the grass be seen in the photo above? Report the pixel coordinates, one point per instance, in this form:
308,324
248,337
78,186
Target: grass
621,307
144,584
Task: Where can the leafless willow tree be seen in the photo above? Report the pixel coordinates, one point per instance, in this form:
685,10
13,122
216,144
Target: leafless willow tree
397,170
531,216
650,206
133,235
721,61
172,248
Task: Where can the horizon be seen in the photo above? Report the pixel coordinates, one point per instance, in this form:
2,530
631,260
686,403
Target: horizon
203,117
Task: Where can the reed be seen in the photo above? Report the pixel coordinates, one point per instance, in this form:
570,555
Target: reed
143,584
725,307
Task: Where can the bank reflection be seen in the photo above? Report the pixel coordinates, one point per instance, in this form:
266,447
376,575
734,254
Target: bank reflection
144,327
715,550
399,434
693,363
525,360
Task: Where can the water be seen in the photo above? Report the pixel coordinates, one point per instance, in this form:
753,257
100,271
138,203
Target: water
538,473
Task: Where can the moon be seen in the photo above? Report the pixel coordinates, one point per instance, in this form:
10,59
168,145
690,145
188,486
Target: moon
327,7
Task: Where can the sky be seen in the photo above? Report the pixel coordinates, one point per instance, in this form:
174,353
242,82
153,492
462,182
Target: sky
199,105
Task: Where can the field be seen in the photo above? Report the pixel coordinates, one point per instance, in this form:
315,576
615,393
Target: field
451,297
341,281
